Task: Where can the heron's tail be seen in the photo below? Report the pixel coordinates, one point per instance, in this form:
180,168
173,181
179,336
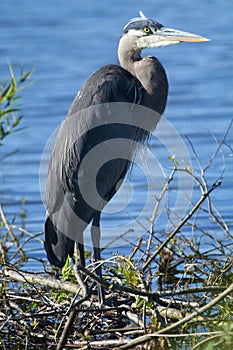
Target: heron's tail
57,245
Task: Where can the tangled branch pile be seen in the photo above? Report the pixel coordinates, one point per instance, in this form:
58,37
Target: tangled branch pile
159,300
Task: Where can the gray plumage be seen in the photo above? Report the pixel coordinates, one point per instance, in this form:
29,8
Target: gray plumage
103,112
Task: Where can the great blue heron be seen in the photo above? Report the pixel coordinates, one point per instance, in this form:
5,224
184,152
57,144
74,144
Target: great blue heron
137,81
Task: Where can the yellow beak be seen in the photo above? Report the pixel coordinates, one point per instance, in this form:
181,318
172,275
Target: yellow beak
169,34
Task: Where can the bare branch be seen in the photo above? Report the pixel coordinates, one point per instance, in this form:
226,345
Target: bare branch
187,217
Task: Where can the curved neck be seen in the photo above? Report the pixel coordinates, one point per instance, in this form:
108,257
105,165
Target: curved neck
130,59
148,71
128,54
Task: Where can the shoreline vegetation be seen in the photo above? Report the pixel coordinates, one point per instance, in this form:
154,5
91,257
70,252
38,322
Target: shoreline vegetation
170,292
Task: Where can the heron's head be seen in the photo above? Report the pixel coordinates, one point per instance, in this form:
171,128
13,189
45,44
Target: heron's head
147,33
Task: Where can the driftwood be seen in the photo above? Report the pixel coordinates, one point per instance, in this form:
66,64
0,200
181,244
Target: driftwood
32,278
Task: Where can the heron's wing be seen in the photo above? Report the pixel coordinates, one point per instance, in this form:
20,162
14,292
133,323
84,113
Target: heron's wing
99,158
76,136
84,171
110,83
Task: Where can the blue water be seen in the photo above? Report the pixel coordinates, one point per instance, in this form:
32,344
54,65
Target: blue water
66,42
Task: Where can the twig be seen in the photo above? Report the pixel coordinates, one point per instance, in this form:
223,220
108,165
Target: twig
136,247
69,323
203,182
132,316
79,278
11,233
109,244
213,336
117,287
187,217
159,199
221,143
65,315
186,319
9,154
98,344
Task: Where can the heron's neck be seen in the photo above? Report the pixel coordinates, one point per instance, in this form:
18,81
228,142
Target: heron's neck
148,71
130,59
128,54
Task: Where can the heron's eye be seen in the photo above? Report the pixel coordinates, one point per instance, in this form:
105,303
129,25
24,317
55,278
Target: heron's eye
147,30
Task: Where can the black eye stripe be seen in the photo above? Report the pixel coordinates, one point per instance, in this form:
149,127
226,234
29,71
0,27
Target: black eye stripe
141,24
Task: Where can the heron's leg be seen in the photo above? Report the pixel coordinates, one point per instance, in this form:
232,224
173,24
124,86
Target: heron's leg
95,236
81,254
